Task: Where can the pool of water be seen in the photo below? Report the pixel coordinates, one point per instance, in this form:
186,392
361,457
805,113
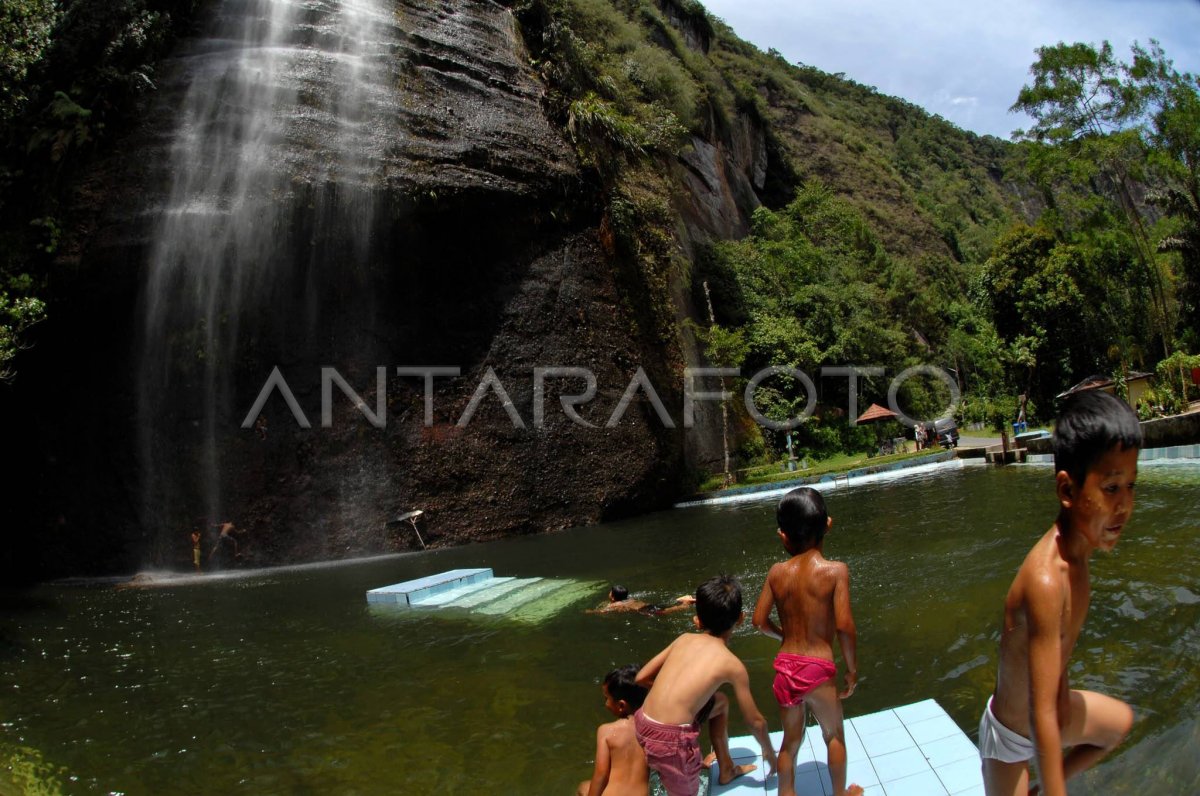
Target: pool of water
286,682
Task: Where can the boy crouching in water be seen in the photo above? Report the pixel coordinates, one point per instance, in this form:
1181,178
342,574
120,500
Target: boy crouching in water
620,763
683,681
812,596
1033,711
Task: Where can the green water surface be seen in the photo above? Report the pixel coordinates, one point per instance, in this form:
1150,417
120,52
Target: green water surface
286,682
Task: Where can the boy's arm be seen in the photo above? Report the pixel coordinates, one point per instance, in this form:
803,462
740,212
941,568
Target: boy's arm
1043,613
603,763
645,676
846,630
762,611
754,720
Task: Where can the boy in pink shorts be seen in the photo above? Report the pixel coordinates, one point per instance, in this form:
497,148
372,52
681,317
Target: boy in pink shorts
812,596
683,680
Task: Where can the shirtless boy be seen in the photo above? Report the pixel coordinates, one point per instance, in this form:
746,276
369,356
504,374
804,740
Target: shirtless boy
620,763
1034,712
812,596
683,681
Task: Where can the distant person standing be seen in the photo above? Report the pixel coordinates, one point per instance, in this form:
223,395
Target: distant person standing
196,549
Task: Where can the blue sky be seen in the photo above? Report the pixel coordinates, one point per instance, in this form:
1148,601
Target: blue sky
962,60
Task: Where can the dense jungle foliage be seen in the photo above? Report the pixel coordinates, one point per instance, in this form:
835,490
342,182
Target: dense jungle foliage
71,76
887,237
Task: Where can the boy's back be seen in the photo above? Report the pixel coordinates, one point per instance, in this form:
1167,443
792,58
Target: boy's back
806,589
694,666
628,774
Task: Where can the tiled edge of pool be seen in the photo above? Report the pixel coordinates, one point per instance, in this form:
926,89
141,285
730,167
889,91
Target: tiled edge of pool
1185,452
912,750
943,460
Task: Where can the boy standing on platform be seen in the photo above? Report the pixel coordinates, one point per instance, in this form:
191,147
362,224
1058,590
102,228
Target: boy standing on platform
1033,712
812,596
683,680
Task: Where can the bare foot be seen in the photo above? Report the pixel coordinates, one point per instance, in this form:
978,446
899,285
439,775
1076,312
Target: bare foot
710,759
726,778
854,790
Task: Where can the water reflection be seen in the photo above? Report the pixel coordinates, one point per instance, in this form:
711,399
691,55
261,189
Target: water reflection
287,682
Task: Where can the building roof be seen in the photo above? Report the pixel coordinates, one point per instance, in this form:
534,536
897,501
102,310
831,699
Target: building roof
1103,382
875,412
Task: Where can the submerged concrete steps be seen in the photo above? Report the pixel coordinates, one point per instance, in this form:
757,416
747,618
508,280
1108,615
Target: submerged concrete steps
502,587
478,591
463,592
550,604
522,597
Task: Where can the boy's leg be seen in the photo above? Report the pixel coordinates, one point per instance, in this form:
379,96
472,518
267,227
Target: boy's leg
1005,779
824,703
793,735
1098,724
718,734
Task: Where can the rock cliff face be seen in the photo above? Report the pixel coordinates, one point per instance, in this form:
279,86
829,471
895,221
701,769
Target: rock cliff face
483,246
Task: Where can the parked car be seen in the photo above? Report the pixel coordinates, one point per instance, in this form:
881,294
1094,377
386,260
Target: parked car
946,432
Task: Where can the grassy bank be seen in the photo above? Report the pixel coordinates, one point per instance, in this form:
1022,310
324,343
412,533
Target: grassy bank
841,463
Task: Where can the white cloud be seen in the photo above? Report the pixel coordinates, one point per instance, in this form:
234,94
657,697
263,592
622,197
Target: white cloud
937,53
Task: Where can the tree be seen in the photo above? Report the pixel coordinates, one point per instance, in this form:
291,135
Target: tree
25,27
1051,302
16,316
1172,106
1090,108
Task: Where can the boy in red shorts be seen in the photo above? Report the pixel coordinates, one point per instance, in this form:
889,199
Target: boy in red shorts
812,596
683,680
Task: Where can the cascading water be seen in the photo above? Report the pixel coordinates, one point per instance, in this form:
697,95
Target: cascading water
274,168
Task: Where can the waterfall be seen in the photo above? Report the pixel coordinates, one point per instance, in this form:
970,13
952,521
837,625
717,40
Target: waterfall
274,167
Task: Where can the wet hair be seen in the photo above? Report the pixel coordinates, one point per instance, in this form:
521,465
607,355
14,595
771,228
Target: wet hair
619,593
802,517
1092,423
719,603
621,684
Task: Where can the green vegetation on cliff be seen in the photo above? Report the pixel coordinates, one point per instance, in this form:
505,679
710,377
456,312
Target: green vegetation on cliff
889,236
71,76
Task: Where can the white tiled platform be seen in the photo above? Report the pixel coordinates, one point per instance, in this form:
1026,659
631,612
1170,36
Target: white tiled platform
912,750
412,591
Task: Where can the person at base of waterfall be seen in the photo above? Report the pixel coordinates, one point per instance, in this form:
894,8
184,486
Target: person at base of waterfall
196,549
683,680
1033,713
812,596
